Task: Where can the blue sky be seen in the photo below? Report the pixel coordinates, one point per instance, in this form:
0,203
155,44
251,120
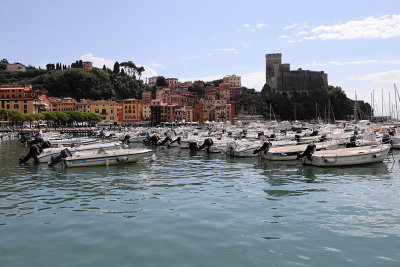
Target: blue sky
355,42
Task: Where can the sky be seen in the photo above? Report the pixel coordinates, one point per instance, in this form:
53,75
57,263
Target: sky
355,42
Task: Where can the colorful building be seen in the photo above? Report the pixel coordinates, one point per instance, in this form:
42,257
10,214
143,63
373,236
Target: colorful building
107,109
21,98
131,110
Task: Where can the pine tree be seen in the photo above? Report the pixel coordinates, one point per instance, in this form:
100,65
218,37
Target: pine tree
116,67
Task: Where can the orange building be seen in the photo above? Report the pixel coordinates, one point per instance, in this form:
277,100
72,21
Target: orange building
87,65
66,104
21,98
131,110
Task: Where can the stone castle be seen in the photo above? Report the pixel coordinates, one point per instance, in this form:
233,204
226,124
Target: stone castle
280,79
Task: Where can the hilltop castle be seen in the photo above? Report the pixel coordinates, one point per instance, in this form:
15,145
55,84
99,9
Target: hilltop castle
280,79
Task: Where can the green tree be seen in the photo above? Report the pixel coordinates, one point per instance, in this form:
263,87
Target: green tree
116,67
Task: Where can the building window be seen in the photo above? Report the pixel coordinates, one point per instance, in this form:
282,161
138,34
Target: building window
16,106
96,111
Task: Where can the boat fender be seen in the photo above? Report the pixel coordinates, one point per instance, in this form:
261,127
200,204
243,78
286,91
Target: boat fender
377,155
330,160
153,157
122,159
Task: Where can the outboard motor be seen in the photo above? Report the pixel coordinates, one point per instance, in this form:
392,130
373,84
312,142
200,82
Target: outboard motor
63,154
193,146
265,147
352,142
297,138
34,151
207,144
323,138
314,133
151,140
392,132
386,139
163,142
45,144
37,140
272,137
177,140
308,152
126,139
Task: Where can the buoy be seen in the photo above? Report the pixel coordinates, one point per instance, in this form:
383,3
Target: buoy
153,157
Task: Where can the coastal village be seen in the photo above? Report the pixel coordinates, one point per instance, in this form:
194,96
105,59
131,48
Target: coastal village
172,103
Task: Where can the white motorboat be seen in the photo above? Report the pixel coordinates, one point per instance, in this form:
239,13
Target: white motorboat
292,152
48,153
101,157
348,156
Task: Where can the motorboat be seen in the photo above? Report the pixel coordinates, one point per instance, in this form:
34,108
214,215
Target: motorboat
48,153
348,156
292,152
100,157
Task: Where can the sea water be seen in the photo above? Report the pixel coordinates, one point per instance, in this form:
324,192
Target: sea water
198,209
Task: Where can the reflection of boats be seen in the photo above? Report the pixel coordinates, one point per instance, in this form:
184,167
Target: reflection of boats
348,156
373,170
101,157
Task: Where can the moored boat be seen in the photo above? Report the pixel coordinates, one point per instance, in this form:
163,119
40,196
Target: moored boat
348,156
101,157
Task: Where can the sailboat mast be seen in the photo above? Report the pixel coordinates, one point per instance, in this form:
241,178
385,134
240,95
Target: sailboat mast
382,104
355,106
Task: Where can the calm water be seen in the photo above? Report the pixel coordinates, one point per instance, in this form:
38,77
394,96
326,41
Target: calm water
198,210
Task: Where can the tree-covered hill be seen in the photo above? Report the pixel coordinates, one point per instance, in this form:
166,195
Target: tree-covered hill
78,83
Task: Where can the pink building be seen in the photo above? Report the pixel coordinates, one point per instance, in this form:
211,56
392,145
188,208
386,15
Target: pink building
172,82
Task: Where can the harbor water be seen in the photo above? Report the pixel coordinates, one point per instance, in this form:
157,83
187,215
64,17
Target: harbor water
198,209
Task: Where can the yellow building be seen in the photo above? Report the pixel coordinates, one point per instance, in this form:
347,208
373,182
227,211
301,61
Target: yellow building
146,112
131,110
233,80
83,105
107,109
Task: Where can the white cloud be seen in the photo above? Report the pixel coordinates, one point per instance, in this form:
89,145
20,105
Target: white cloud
205,78
98,62
247,27
149,72
383,27
229,50
283,36
157,66
254,80
380,78
355,62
